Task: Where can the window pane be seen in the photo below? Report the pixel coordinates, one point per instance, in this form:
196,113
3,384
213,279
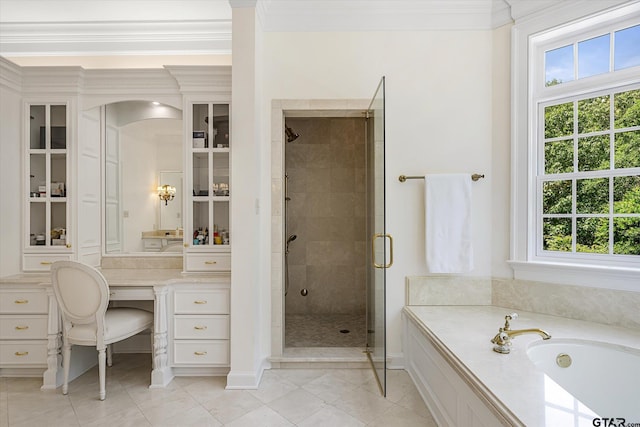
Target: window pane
556,197
558,65
627,48
556,234
593,114
36,126
593,153
627,150
592,235
58,126
593,56
558,157
592,196
626,236
626,194
558,120
627,109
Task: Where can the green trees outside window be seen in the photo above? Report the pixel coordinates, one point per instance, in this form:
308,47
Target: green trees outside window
591,182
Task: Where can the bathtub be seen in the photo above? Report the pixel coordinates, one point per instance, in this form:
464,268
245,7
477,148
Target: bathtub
449,356
604,377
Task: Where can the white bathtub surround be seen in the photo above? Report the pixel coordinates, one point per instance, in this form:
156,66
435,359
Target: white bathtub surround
611,307
607,306
447,290
449,356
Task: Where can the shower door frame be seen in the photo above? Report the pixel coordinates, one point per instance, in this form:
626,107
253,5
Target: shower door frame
378,259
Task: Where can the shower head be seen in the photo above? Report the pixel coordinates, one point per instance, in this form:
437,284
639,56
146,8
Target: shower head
291,135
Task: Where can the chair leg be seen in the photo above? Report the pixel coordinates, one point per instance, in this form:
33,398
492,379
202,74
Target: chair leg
66,362
110,355
101,369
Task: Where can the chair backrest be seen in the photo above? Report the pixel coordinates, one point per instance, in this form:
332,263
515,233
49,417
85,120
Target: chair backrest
82,293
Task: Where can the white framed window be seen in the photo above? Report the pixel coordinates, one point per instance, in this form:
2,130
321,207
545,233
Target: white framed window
576,150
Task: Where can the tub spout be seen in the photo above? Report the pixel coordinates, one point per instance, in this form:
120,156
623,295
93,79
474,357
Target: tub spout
502,340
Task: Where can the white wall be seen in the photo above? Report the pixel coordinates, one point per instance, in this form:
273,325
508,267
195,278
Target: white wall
438,119
11,178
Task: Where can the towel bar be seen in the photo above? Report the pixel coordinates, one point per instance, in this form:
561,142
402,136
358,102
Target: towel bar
403,178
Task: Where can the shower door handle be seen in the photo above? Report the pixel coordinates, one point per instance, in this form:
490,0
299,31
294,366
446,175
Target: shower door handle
373,250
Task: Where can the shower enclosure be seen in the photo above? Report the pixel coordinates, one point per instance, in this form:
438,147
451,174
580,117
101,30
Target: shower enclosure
336,249
324,213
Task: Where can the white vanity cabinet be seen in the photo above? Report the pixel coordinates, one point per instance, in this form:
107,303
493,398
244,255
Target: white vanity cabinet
200,326
208,191
23,329
46,189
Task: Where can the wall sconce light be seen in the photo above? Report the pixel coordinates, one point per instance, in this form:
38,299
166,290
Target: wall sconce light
166,193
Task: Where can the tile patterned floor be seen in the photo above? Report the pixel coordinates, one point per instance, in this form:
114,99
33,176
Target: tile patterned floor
324,330
286,397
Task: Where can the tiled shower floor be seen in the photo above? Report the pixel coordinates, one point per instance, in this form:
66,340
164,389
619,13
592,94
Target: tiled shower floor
324,330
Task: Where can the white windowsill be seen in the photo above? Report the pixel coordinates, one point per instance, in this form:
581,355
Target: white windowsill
616,278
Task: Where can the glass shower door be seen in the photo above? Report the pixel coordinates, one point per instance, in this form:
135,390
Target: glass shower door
377,262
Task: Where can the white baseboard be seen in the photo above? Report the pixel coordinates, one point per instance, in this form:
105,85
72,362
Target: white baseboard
246,380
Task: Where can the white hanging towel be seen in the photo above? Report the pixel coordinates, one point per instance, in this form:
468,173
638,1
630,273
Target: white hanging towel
448,242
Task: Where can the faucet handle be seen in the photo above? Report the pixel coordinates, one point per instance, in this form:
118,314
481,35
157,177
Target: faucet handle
507,318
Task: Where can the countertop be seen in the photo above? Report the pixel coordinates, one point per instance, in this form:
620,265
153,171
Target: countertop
464,334
126,277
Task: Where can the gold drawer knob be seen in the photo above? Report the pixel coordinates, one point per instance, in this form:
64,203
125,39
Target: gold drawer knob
45,263
200,328
200,302
21,327
21,301
21,353
200,353
68,245
211,262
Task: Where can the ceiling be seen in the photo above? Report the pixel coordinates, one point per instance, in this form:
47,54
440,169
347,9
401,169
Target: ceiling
200,30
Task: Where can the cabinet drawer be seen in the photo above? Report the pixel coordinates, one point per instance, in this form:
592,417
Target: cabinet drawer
211,262
152,243
201,327
42,262
23,327
201,352
23,353
23,302
201,302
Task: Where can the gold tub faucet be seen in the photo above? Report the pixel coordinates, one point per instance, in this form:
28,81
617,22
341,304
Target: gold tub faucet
502,340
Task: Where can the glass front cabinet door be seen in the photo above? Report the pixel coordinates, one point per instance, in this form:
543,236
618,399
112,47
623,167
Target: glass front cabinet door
207,238
47,184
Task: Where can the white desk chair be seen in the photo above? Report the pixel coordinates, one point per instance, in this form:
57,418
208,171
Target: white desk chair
83,295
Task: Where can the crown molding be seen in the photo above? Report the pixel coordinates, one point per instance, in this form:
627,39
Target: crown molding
200,79
115,38
522,10
10,75
60,80
382,15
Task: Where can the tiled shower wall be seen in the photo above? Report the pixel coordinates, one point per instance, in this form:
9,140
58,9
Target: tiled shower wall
326,170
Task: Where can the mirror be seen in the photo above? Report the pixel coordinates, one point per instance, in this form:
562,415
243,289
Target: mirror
142,153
